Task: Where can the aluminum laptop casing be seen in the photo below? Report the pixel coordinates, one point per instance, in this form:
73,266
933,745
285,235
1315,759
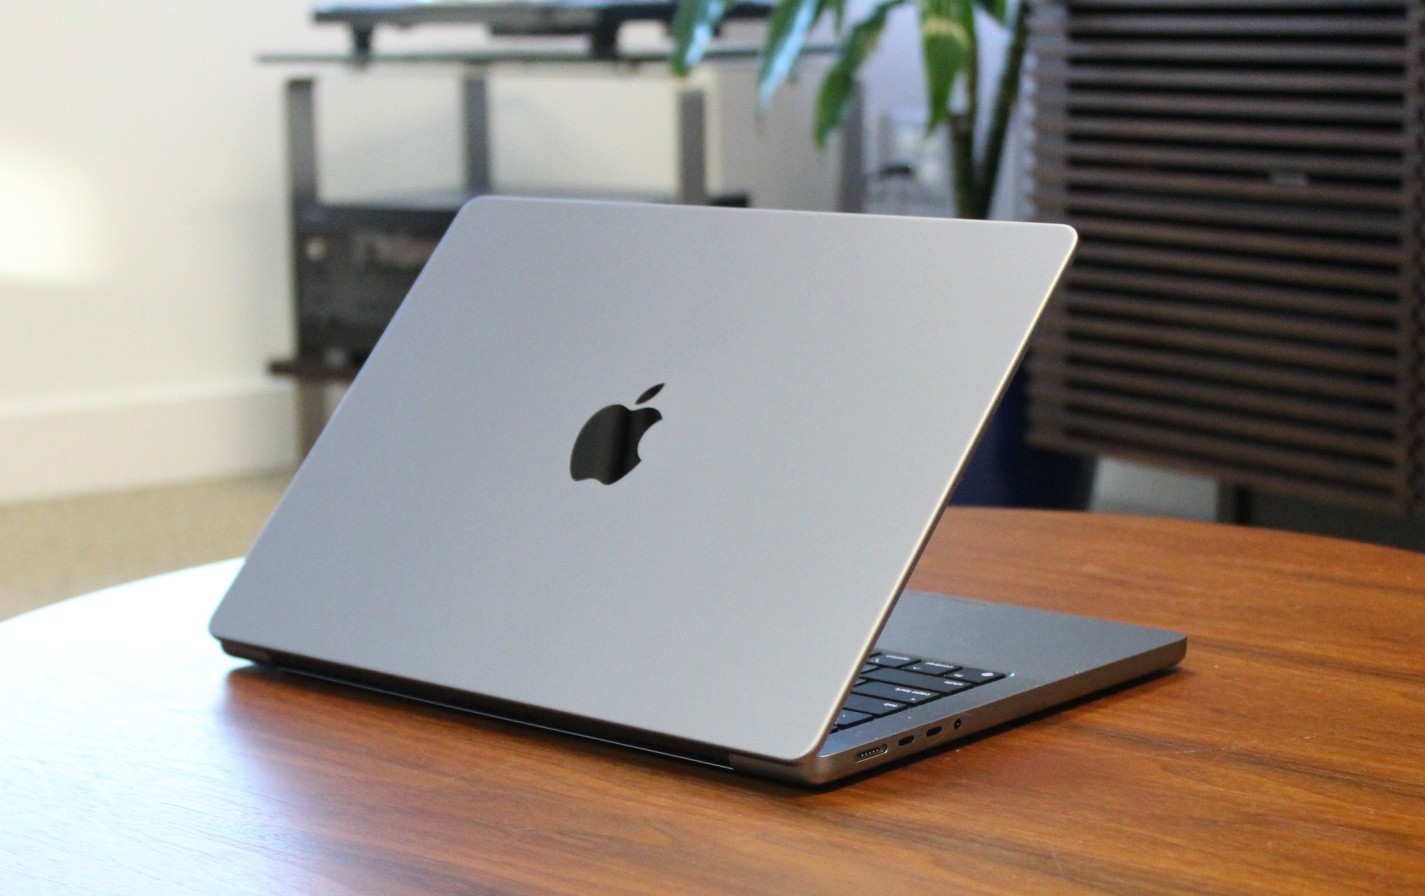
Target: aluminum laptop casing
824,378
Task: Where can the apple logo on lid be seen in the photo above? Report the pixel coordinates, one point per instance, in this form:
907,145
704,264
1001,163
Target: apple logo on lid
606,448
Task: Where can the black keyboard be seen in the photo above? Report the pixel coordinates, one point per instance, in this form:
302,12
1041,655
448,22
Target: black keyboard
890,682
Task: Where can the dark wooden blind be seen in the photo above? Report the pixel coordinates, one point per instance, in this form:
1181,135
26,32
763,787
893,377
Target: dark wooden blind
1246,302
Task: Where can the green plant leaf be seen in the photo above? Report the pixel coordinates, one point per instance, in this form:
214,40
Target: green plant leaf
840,81
944,41
999,9
787,30
694,24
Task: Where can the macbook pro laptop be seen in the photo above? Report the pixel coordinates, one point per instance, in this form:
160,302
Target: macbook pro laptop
657,475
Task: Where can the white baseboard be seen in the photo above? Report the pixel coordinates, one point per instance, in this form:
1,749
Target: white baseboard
55,449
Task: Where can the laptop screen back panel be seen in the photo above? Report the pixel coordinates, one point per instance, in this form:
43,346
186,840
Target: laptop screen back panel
823,378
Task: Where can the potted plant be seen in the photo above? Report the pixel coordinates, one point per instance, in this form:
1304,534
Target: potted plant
950,57
1004,469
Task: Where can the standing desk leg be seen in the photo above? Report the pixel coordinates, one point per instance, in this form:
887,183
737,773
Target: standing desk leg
312,413
692,148
300,109
851,191
475,106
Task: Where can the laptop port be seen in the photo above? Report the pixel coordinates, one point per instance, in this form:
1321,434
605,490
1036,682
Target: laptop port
871,753
931,732
905,741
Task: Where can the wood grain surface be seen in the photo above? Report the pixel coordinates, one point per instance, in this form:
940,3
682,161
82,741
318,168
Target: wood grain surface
1284,756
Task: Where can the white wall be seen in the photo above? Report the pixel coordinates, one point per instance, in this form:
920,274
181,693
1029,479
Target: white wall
143,256
141,252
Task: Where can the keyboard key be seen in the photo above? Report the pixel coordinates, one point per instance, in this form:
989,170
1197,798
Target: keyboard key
891,681
849,717
933,667
893,660
872,706
916,680
895,692
977,676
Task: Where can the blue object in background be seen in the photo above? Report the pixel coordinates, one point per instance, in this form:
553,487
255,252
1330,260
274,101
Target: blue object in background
1005,471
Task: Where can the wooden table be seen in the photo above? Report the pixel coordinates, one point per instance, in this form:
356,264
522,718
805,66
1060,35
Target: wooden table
1284,756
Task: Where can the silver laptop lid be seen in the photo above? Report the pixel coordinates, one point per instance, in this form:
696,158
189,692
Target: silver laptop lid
823,378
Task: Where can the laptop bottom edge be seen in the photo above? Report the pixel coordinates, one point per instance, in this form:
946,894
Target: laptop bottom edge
492,708
845,754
